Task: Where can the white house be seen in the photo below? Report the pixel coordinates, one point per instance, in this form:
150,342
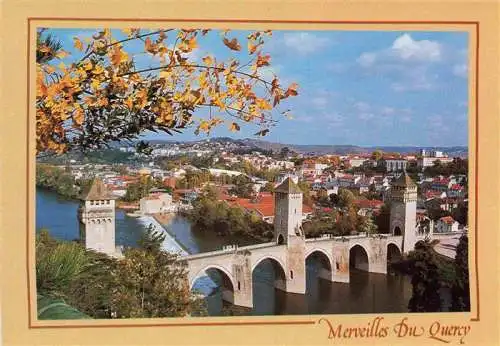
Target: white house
446,224
156,203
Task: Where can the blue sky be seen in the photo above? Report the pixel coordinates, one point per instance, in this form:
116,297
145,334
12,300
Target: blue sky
355,87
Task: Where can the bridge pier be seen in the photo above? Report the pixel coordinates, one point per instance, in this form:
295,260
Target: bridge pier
242,273
378,255
296,265
340,270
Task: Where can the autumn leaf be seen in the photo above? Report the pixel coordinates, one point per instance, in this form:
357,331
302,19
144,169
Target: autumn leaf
292,90
263,60
208,60
233,44
61,54
192,44
263,104
77,43
118,56
262,132
148,46
78,116
234,127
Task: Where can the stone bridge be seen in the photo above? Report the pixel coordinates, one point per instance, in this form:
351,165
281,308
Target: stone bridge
235,265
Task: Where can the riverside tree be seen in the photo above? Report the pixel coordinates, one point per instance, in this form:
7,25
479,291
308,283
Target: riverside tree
426,282
460,289
100,95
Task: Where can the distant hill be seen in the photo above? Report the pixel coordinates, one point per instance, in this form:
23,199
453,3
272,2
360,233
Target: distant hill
460,151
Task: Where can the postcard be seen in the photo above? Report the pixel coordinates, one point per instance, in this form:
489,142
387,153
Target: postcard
249,173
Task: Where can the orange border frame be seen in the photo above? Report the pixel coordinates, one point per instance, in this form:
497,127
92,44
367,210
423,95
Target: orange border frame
304,322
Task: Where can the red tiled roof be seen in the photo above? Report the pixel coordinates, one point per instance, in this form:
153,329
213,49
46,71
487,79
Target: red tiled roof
264,205
368,203
447,219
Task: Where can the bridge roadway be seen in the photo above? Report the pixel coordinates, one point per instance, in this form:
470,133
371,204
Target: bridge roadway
236,264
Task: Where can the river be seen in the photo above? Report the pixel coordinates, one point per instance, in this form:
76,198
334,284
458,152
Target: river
366,292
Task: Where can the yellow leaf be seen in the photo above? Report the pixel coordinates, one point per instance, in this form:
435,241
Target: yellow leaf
191,43
61,54
127,32
77,43
165,74
95,84
208,60
263,104
78,116
61,66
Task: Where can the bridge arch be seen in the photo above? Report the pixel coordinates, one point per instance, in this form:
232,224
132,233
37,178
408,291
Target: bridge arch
393,252
358,257
270,257
280,270
325,271
323,255
226,274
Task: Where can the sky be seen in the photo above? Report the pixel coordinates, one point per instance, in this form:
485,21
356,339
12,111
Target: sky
367,88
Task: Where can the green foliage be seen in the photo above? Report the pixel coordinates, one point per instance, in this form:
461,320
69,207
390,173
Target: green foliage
58,264
147,282
56,179
151,240
243,187
344,199
383,219
138,190
210,215
457,166
426,281
460,289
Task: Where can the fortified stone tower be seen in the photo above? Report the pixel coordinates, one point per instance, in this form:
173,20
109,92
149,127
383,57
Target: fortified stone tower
404,211
288,211
288,231
97,216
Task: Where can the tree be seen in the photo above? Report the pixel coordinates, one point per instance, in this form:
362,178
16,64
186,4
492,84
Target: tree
377,155
460,289
423,265
345,198
284,152
306,192
383,219
100,96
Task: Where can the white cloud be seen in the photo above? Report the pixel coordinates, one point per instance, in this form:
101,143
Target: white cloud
460,70
404,49
305,43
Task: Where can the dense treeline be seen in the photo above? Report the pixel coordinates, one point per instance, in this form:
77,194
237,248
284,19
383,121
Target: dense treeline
59,180
210,215
431,273
147,282
457,166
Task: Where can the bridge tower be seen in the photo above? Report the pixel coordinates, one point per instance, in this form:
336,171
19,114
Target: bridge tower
403,217
288,231
97,218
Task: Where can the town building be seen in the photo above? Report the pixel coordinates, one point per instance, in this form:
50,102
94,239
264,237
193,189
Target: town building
156,203
446,224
